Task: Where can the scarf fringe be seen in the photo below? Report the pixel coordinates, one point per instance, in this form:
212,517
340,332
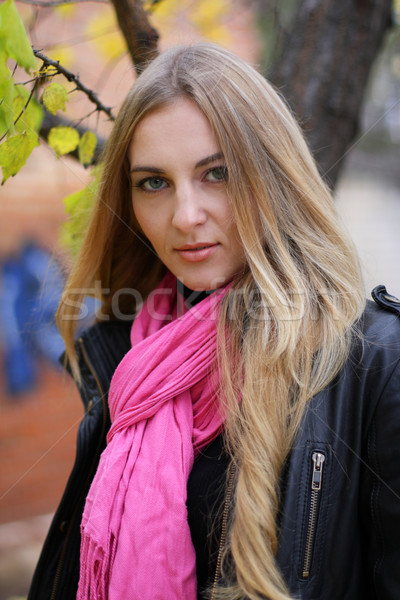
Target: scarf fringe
95,568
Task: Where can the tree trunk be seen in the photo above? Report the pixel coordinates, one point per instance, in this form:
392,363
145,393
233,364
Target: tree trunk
141,38
323,71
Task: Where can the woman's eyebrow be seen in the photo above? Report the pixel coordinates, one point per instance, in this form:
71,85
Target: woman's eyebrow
209,159
140,168
204,161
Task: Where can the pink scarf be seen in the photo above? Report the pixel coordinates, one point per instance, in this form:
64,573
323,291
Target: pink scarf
136,541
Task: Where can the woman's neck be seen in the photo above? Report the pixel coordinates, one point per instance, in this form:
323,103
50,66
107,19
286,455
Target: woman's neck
192,298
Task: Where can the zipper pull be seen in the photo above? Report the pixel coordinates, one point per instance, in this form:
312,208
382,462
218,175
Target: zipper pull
318,459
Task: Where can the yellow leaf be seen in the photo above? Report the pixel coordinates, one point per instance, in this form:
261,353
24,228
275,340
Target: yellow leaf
208,11
63,139
106,36
54,97
165,14
87,146
65,10
218,34
208,17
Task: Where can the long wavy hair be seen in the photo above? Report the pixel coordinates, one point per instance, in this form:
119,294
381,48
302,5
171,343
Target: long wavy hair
286,324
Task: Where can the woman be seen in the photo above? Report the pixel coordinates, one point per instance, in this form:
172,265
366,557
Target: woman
253,449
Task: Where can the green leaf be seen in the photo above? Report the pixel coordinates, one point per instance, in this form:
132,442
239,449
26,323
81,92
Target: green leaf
32,113
79,207
32,116
7,92
13,37
15,151
63,139
54,97
87,146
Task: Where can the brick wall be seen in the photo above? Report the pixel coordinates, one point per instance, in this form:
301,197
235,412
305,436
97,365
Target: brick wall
37,445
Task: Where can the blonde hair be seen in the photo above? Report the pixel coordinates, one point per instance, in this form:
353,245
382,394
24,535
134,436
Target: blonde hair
285,325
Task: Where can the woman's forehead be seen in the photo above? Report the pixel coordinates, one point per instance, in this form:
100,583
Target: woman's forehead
180,129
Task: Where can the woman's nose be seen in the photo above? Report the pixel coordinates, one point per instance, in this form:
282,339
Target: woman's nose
189,211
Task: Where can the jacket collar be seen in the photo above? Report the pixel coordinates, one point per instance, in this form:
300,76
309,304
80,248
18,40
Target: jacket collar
100,349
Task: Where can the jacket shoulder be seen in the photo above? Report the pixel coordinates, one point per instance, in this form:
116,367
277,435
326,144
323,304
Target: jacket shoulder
385,300
380,322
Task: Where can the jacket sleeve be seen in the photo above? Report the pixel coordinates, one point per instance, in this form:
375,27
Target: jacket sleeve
381,498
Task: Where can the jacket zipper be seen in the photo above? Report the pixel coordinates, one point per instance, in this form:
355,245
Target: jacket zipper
224,528
318,459
72,521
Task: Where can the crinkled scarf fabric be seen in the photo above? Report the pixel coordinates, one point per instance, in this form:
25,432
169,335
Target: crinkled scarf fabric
136,541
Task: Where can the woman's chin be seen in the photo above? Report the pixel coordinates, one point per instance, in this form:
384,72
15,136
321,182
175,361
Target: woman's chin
203,284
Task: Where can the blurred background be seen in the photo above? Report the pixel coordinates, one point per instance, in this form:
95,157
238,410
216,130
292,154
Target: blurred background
39,406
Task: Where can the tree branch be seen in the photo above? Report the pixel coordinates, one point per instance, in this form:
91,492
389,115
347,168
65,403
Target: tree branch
142,42
75,79
141,38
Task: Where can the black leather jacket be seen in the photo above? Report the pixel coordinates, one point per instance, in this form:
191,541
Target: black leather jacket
339,519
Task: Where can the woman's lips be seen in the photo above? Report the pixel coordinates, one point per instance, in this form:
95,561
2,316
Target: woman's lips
196,252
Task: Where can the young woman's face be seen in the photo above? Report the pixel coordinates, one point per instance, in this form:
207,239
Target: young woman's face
179,196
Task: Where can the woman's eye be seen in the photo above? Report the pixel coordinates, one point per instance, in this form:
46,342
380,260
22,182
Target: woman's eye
152,184
217,174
